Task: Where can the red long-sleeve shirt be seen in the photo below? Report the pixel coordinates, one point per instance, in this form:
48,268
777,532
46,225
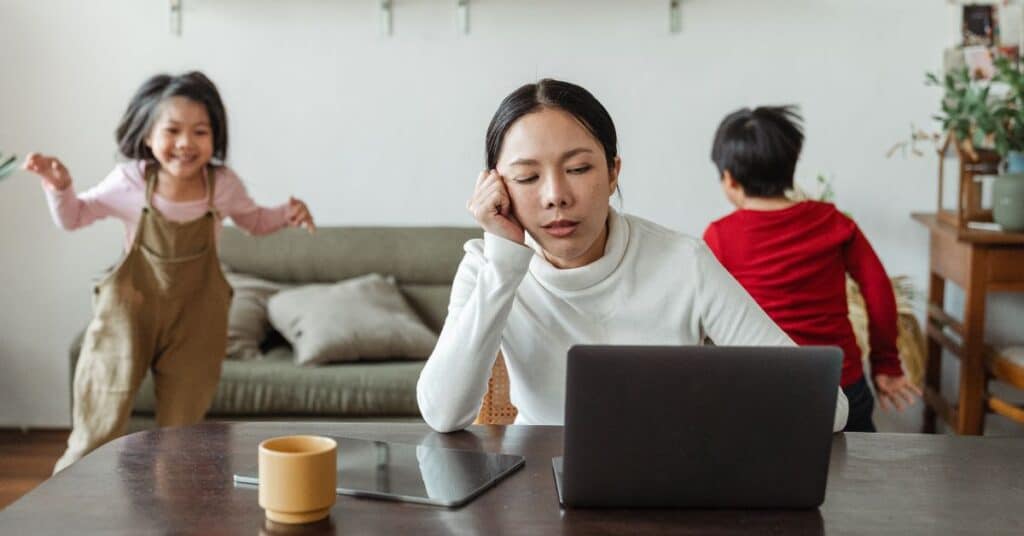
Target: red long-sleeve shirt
794,263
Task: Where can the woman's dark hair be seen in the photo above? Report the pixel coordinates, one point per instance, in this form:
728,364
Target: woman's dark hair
142,112
759,148
549,93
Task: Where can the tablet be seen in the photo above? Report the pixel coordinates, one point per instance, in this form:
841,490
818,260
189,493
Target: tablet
413,473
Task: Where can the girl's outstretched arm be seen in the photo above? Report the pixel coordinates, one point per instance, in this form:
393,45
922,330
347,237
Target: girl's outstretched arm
234,202
69,210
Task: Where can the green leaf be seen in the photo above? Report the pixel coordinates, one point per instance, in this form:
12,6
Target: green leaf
8,165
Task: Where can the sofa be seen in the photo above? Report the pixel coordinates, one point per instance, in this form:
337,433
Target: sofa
423,261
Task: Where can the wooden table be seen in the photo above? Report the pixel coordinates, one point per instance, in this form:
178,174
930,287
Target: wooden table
979,262
178,481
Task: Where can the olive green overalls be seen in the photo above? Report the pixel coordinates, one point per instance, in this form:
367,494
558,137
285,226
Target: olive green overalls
165,308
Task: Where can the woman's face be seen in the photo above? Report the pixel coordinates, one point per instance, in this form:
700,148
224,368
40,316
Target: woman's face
559,182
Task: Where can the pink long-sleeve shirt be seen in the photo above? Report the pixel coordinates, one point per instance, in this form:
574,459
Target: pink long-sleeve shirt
122,194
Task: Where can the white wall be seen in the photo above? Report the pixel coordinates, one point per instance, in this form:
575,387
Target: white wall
389,130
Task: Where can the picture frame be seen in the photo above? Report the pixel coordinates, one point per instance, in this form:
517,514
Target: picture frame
980,25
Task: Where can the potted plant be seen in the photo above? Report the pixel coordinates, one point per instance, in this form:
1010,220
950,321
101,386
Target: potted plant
967,110
984,123
967,117
964,105
1007,135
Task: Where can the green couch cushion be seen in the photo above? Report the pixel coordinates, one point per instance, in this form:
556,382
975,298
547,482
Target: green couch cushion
430,302
275,386
365,318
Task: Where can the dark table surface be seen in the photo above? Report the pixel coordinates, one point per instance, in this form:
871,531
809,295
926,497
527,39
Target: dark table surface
179,481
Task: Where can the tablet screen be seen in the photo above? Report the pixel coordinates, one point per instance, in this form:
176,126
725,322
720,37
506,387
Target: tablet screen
414,473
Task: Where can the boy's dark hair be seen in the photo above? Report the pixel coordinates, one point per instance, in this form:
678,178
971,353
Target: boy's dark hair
549,93
760,148
142,111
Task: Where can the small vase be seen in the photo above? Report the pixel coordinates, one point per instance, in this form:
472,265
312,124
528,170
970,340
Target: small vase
1008,201
1015,162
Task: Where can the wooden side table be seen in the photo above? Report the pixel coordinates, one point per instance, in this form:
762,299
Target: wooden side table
979,262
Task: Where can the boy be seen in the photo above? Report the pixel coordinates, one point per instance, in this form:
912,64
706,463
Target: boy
793,256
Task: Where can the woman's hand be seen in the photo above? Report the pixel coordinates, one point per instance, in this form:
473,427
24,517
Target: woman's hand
55,176
895,392
298,214
491,206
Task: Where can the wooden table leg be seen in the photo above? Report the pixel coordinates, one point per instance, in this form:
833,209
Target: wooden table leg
933,367
971,411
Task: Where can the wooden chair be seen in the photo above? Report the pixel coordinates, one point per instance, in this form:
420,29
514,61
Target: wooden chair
910,339
1007,366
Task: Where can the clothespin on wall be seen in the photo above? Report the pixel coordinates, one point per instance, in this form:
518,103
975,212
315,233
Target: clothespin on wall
462,16
387,9
175,12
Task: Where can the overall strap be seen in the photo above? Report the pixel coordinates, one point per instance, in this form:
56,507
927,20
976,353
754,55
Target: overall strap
210,173
150,172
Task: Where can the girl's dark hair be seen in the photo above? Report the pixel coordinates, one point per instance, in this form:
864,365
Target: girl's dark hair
760,148
549,93
142,112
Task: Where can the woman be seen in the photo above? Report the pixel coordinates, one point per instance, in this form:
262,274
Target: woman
558,266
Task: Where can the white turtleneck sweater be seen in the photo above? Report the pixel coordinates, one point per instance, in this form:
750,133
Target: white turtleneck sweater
652,286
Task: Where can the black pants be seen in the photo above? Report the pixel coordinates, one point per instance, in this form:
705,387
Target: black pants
862,404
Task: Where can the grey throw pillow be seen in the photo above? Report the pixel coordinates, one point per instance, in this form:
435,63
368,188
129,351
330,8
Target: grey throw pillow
248,322
363,318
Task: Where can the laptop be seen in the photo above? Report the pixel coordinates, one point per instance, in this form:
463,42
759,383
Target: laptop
697,426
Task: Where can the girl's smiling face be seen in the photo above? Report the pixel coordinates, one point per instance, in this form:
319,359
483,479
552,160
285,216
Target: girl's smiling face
558,178
181,138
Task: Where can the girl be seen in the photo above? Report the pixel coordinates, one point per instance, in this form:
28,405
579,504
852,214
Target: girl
165,306
557,267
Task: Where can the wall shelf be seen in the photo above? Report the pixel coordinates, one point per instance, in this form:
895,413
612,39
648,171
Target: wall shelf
386,16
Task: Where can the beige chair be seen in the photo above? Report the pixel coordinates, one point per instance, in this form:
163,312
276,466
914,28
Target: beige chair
497,407
910,340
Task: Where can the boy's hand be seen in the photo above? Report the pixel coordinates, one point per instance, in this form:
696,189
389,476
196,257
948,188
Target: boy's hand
895,392
491,206
298,214
55,176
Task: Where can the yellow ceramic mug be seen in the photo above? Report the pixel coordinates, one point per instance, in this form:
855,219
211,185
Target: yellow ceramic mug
298,477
